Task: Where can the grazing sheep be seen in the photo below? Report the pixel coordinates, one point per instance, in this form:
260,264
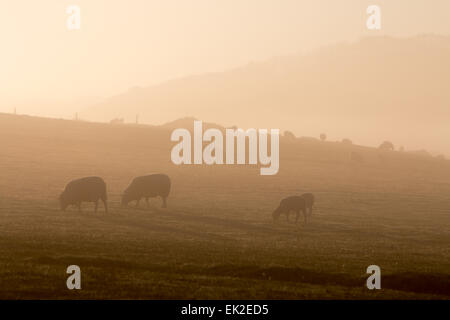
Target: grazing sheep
89,189
309,202
150,186
293,203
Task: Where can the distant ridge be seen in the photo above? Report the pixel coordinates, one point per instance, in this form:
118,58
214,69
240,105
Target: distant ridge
377,88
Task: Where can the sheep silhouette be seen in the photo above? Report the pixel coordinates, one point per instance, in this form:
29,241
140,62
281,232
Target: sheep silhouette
293,203
88,189
149,186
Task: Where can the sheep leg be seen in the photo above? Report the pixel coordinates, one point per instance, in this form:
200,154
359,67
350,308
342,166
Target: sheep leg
105,204
96,206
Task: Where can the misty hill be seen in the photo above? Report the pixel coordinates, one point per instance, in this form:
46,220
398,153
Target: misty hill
37,139
375,89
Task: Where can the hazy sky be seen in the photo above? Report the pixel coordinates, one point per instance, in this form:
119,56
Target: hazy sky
125,43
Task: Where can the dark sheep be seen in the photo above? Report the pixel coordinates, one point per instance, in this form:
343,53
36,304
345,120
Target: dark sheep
309,201
150,186
89,189
293,203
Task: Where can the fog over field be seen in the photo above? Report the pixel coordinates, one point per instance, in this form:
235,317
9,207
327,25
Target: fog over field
251,149
217,239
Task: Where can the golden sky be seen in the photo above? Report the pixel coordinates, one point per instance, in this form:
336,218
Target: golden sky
142,42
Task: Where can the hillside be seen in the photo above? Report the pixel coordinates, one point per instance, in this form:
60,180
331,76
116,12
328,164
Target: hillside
217,239
375,89
45,142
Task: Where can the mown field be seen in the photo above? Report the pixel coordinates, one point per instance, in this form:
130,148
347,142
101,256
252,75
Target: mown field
216,239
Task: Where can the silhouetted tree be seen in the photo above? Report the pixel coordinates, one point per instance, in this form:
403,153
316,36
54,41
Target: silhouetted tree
387,145
323,136
289,135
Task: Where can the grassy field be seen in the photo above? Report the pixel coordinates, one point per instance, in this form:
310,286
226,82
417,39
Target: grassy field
216,239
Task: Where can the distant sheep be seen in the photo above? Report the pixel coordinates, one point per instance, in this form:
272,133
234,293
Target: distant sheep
147,187
293,203
89,189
